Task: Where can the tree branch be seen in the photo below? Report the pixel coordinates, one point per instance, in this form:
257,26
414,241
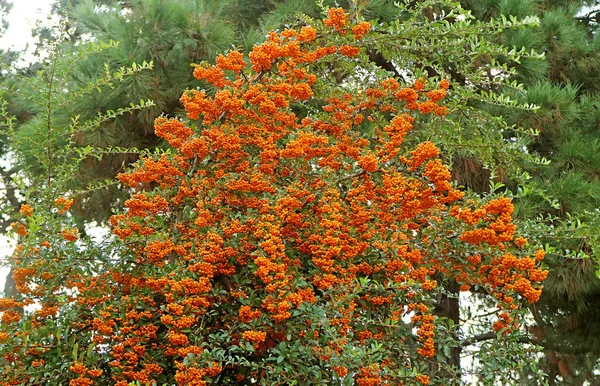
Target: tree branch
493,335
10,189
378,59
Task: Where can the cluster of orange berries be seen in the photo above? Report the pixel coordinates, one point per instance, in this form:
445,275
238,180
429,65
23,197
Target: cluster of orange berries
425,332
254,336
63,204
85,375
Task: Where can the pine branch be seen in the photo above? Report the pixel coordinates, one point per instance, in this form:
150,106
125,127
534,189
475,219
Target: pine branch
559,348
494,335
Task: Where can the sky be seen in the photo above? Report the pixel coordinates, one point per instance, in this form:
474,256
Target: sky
21,19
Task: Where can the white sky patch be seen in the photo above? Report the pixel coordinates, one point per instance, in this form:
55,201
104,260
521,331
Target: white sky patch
21,20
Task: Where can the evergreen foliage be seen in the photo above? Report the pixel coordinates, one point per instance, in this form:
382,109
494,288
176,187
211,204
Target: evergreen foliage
164,34
560,203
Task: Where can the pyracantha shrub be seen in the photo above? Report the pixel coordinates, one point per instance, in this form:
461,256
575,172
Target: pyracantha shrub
293,235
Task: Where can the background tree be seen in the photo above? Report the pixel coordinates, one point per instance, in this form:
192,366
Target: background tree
561,201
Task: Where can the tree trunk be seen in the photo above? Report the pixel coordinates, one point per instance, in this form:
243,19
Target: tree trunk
448,307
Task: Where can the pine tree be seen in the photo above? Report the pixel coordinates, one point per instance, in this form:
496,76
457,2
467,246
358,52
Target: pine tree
162,32
562,198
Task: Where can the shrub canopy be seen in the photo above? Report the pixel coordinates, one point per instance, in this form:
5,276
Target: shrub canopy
294,234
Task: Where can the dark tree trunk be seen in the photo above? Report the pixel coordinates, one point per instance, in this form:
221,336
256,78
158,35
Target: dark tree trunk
448,307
